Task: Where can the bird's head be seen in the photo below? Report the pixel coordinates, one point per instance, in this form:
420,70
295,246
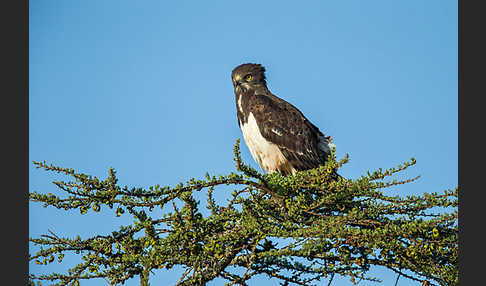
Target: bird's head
248,76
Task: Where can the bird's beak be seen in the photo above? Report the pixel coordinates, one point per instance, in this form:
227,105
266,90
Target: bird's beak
236,81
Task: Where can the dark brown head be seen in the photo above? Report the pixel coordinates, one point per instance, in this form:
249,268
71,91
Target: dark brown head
247,76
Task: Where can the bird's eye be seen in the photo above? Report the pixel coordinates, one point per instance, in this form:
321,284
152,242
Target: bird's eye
248,77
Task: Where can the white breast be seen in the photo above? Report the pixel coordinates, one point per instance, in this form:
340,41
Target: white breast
266,153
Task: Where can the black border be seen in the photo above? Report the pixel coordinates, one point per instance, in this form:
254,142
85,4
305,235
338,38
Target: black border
15,121
471,145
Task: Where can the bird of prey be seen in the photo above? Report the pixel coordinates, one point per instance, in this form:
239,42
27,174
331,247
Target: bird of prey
280,138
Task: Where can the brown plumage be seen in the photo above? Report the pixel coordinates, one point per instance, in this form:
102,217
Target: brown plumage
279,136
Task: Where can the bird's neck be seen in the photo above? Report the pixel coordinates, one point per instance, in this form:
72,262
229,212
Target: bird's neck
261,89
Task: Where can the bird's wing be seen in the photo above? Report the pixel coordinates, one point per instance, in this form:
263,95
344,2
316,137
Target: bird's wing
284,125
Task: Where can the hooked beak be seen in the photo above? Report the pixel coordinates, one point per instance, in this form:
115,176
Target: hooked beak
236,82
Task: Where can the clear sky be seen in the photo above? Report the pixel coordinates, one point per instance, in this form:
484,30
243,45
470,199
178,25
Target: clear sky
145,87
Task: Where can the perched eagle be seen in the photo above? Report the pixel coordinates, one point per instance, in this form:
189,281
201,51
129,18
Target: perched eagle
280,138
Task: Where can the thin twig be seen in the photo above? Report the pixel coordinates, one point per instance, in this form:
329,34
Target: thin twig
330,280
398,277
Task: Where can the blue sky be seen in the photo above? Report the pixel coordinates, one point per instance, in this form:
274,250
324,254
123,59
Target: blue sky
145,87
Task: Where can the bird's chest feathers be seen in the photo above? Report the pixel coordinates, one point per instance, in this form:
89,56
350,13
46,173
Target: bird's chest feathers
242,112
266,153
244,106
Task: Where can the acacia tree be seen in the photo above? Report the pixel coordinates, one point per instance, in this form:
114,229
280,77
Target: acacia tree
299,229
